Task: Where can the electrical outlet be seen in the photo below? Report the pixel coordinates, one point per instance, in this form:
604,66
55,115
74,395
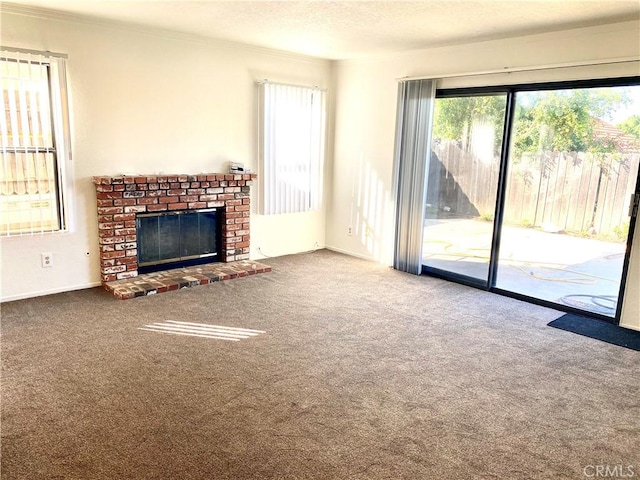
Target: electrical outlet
349,230
46,260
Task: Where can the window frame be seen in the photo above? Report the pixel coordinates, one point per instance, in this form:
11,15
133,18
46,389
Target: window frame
60,148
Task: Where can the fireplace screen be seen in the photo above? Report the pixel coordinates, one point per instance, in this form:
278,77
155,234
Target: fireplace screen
177,237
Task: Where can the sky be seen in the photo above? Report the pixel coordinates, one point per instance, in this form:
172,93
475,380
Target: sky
632,109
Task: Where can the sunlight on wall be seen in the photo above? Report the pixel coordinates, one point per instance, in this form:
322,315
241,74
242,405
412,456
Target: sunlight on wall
371,212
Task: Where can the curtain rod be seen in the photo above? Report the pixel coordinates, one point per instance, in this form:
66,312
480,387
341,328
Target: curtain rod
496,71
34,52
268,82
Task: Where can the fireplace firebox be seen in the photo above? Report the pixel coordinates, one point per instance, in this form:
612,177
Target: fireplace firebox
177,239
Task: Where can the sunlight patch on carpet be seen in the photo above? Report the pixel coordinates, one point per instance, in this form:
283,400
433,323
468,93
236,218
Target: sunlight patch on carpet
218,332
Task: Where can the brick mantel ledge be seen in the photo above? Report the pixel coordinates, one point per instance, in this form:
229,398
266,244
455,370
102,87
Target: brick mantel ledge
120,198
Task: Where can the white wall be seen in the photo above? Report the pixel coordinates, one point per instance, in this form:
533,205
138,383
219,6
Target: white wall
144,102
365,123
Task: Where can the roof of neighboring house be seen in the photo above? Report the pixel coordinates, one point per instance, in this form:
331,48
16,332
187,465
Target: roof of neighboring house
623,142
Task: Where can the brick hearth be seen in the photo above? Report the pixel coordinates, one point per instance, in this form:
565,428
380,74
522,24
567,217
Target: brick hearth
120,198
177,278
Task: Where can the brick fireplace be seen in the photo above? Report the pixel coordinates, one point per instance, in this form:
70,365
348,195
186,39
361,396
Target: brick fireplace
121,198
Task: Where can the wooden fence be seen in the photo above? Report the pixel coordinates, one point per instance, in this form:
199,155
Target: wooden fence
576,192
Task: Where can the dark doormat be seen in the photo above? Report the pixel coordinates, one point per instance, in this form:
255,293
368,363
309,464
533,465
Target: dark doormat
598,329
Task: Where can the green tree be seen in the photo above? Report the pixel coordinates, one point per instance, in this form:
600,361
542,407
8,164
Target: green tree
564,120
455,117
631,126
559,120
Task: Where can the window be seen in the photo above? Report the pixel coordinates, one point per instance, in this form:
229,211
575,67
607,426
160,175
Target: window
292,125
35,144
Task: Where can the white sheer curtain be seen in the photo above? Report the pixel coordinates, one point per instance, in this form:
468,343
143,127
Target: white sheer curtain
414,121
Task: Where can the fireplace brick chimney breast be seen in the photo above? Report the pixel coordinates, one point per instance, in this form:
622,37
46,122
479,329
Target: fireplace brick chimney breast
120,198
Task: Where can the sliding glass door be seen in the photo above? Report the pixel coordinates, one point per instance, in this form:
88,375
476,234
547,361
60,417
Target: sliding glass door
462,184
544,213
573,167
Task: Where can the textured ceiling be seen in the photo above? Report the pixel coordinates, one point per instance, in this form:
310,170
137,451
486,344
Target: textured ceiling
347,29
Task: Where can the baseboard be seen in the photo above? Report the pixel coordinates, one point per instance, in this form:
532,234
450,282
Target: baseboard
357,255
351,254
53,291
261,255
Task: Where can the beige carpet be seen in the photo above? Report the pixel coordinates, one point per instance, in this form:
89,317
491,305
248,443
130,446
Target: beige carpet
362,373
